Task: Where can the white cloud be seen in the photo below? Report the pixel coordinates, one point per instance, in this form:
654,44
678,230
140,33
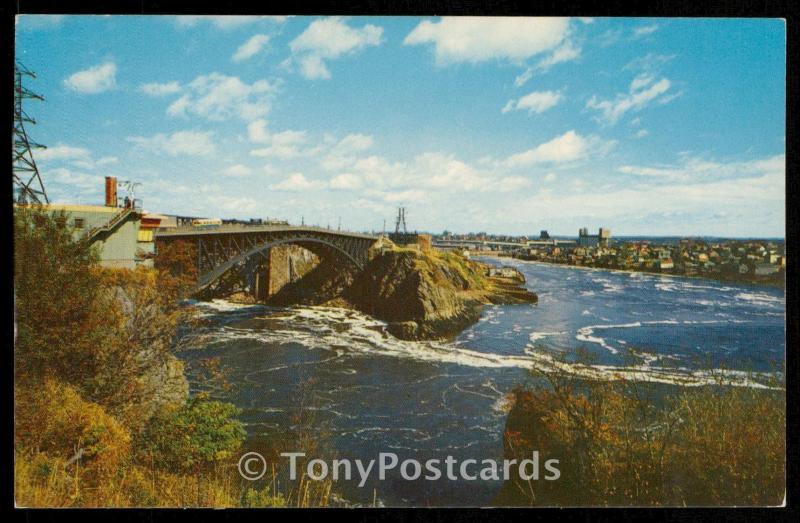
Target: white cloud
344,152
63,152
523,77
643,90
217,97
649,62
233,204
694,169
566,52
296,182
237,171
327,39
93,80
757,193
33,22
568,147
86,183
641,81
641,133
434,172
257,131
610,37
100,162
479,39
77,156
644,30
285,144
251,47
535,102
225,22
189,143
160,89
346,181
410,195
550,177
353,143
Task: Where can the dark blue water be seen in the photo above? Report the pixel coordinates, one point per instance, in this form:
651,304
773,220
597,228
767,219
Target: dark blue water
424,400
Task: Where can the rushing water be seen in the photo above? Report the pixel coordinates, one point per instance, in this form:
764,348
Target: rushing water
433,399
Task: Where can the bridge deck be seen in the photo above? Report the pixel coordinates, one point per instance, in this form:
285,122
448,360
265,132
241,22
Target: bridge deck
247,229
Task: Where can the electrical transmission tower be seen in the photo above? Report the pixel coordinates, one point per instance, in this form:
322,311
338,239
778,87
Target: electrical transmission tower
400,222
28,186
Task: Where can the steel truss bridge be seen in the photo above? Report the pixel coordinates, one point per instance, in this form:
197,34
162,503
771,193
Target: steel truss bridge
221,248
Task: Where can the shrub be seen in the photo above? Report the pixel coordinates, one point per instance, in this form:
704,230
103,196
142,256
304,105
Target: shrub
194,436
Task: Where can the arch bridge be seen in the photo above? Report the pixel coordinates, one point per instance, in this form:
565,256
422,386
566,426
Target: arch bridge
222,248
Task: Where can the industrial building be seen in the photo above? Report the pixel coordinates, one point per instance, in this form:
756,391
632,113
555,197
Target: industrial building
123,235
600,240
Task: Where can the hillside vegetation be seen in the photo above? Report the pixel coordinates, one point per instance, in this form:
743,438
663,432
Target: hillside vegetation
628,443
102,413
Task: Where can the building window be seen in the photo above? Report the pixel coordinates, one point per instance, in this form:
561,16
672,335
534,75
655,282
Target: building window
78,223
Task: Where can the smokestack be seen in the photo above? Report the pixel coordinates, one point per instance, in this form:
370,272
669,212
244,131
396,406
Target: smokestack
111,191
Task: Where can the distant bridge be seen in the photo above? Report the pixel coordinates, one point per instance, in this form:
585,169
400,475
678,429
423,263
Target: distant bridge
496,244
221,248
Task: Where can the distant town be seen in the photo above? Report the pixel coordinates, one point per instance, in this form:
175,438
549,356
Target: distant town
751,261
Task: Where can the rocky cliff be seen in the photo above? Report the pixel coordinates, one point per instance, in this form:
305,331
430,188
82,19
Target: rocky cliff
421,295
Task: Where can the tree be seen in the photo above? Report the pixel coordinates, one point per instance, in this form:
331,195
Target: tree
54,291
177,268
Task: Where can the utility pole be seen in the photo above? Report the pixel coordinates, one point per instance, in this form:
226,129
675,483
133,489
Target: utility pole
28,186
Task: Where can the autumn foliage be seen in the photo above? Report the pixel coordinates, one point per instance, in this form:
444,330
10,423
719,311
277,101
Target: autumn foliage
629,443
102,412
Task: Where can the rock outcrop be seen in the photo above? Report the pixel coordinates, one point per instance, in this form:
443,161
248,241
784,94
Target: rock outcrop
421,295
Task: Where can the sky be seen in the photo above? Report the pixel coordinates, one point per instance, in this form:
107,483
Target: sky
646,126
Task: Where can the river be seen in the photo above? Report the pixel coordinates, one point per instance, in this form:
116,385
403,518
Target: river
433,399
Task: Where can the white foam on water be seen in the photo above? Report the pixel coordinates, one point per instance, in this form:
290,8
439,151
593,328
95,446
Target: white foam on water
759,298
607,284
649,373
313,327
536,336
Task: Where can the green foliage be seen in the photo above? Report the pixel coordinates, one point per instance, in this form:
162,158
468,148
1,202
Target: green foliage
263,498
54,291
195,435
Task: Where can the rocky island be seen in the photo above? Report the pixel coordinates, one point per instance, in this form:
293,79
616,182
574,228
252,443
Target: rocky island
421,294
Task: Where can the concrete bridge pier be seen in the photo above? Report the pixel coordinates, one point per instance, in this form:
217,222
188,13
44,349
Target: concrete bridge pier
257,277
266,275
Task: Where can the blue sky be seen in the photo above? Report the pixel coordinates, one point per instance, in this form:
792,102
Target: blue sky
645,126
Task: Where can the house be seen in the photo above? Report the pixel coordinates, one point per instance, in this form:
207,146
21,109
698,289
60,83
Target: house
764,269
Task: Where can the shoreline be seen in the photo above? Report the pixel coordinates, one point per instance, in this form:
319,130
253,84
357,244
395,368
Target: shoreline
632,271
